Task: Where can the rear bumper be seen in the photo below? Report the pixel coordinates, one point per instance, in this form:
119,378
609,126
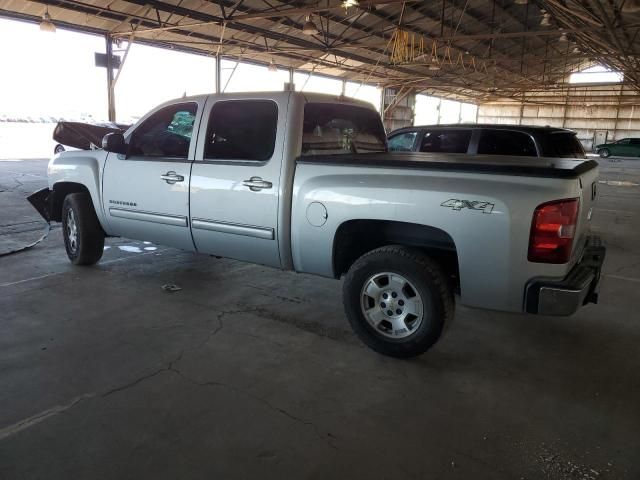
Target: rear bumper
578,288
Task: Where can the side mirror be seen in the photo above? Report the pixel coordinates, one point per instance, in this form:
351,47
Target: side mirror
114,142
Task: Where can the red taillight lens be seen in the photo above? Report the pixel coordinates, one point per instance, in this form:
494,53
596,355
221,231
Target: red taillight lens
552,231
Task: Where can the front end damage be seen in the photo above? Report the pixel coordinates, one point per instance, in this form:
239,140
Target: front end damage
42,201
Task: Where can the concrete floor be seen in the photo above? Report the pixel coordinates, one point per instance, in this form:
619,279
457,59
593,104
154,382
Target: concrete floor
250,372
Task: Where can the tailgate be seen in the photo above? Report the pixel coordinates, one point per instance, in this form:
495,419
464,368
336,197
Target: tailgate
588,182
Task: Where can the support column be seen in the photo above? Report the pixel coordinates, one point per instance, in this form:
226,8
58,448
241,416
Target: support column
111,98
218,74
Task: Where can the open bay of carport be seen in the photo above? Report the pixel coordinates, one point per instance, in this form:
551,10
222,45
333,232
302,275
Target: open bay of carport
251,372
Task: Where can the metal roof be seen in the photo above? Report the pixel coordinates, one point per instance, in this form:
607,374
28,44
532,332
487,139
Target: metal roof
478,50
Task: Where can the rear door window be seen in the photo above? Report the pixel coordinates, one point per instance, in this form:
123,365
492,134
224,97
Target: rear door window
242,130
446,141
402,142
506,142
561,145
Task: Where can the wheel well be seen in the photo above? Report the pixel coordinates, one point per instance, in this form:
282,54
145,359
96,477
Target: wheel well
357,237
60,191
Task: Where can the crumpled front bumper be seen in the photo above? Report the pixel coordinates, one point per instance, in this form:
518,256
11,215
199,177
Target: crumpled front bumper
42,201
578,288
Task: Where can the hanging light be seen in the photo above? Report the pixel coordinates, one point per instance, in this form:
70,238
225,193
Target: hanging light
272,66
546,19
576,50
434,64
563,38
46,25
520,2
350,3
309,27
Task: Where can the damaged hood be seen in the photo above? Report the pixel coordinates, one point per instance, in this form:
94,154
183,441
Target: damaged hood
84,136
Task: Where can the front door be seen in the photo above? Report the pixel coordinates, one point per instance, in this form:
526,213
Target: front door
146,192
235,180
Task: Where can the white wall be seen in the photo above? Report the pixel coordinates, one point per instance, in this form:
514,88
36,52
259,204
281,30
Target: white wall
583,109
431,110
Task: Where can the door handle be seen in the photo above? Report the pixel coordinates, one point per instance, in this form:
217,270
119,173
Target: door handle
172,177
256,184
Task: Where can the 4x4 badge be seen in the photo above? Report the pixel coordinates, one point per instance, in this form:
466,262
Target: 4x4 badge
456,204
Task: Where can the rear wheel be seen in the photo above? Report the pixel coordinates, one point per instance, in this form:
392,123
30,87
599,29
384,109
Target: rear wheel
604,153
397,301
83,235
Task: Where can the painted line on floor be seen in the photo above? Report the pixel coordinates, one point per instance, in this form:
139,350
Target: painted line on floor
42,416
628,279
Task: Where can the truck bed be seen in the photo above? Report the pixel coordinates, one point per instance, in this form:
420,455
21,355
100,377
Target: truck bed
488,164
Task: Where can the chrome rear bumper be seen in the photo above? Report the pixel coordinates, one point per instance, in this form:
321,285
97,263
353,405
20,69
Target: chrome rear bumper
578,288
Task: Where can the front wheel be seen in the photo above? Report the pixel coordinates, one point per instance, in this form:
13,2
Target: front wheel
83,235
604,153
397,301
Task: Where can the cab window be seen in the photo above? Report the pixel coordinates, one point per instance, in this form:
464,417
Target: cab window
402,142
624,141
334,129
166,133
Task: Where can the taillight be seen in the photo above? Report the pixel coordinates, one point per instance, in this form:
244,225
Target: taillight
552,231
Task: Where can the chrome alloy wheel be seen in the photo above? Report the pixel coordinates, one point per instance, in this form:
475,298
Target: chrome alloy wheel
72,231
391,305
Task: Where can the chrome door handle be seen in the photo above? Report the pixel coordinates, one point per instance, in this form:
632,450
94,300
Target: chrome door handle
256,184
172,177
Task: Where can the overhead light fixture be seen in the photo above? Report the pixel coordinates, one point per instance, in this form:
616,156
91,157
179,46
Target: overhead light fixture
546,19
272,66
520,2
563,38
46,25
350,3
309,27
576,50
434,64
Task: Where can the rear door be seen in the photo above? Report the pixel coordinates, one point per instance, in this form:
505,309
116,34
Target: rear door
235,180
146,193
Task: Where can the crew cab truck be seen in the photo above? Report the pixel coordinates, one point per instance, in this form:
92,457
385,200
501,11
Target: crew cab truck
304,182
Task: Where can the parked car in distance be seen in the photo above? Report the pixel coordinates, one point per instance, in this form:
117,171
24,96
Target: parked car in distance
514,140
625,147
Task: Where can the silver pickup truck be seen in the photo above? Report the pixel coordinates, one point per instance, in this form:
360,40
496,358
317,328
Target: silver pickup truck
304,182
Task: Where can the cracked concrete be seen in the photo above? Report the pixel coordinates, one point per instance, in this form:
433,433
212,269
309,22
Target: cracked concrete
249,372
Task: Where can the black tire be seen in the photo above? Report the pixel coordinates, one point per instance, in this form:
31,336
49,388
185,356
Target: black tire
423,275
604,153
59,149
88,247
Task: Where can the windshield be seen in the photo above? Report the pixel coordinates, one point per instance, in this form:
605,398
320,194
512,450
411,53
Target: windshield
335,128
561,145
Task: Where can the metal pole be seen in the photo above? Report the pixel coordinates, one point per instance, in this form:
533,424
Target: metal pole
218,74
111,98
292,85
